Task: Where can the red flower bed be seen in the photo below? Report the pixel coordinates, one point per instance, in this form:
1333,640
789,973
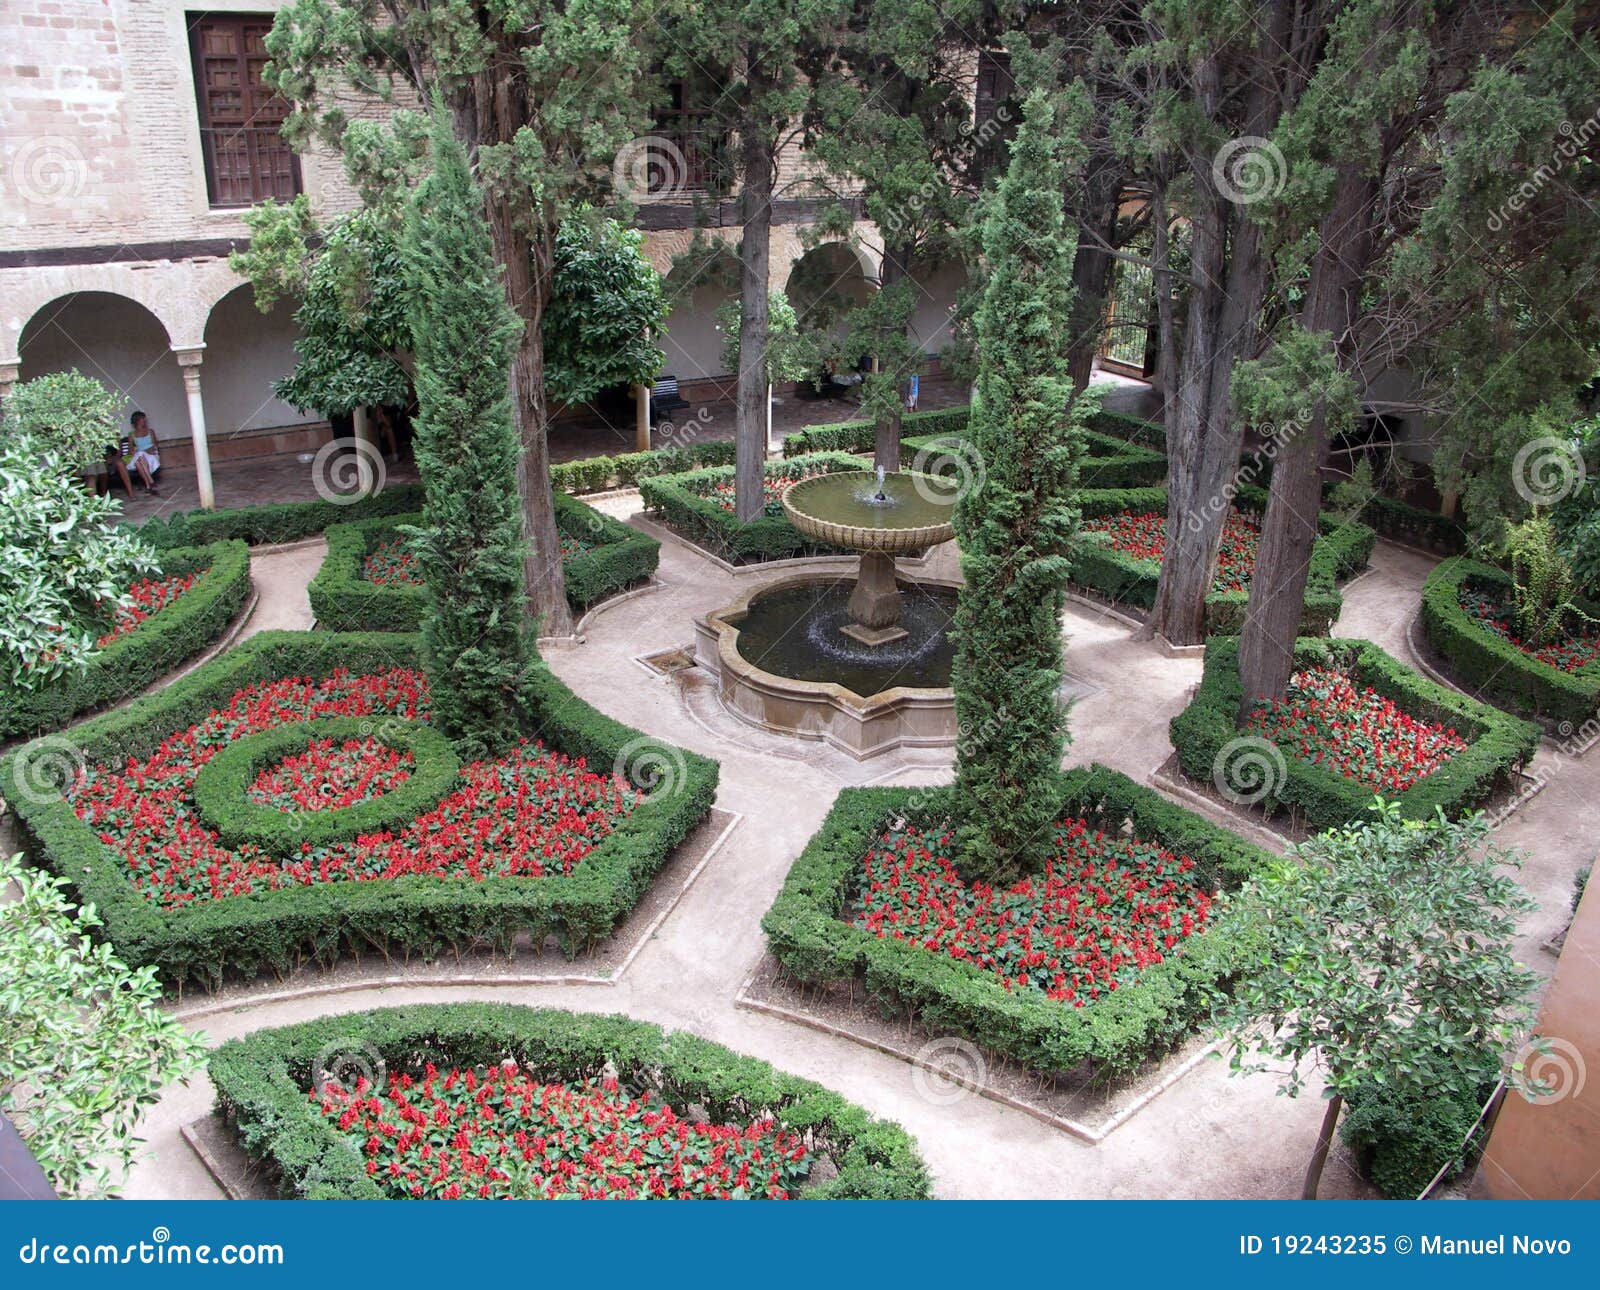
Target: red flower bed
392,563
1495,615
503,1134
772,491
1356,732
1143,536
150,596
1103,908
329,775
528,813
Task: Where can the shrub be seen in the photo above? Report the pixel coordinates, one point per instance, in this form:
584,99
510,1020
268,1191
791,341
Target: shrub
1130,429
1402,1140
1207,738
163,642
275,931
1141,1019
344,599
857,436
86,1047
1107,463
1487,664
591,474
278,521
1342,551
263,1079
681,503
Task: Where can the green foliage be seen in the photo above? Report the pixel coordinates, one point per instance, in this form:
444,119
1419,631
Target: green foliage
73,417
1487,664
1347,499
1142,1018
1135,430
343,599
278,258
85,1048
222,785
262,1081
1380,955
592,474
1015,525
140,658
469,546
791,353
67,565
1341,552
856,436
681,503
607,306
1321,798
276,522
280,931
1543,585
1404,1138
1577,516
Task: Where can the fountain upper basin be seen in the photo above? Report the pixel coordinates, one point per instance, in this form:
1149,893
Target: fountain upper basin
901,512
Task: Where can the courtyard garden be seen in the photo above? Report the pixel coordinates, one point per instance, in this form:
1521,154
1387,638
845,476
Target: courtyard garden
1011,797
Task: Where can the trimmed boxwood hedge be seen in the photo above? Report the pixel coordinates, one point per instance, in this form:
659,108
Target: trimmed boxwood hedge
343,599
1107,463
221,785
278,521
1498,744
858,436
275,931
262,1081
1115,1034
1130,429
1491,666
625,469
164,641
1342,551
678,501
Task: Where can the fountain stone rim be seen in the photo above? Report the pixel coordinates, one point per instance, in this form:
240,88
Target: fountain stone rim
859,537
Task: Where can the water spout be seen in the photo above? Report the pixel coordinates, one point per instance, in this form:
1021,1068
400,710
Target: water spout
880,495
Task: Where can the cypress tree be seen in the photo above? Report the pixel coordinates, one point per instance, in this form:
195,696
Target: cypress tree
1013,527
476,648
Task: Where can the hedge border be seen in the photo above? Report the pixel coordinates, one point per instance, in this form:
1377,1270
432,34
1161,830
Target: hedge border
165,641
858,436
221,786
277,930
1130,429
1499,744
1342,550
675,499
345,600
1486,664
1109,463
276,522
625,469
1116,1034
262,1081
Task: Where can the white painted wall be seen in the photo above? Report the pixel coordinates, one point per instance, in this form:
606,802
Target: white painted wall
116,341
246,351
692,343
937,288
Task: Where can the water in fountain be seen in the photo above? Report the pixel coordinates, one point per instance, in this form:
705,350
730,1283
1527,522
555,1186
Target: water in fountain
795,632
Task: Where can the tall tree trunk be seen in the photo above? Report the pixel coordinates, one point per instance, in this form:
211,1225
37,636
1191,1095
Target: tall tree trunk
490,115
886,433
1092,264
1319,1157
1294,501
757,167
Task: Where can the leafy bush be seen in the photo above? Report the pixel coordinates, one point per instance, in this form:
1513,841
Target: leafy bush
857,436
277,521
1342,551
344,599
681,503
1485,663
85,1048
1499,744
135,661
1402,1140
262,1081
275,931
73,416
1147,1016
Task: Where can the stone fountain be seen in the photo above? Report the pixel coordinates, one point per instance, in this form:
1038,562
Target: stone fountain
864,662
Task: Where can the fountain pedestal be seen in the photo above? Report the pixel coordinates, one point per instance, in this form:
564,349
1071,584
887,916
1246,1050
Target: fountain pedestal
875,602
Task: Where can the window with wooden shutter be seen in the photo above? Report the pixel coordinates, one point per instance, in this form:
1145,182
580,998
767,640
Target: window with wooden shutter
247,159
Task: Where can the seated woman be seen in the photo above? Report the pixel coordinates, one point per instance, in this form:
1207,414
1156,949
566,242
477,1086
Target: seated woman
146,461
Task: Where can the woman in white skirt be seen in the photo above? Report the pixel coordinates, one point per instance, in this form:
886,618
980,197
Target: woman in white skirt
145,460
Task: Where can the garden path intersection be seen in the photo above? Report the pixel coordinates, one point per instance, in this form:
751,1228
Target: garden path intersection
1206,1135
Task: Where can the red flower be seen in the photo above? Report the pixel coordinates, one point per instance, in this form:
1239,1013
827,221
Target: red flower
1143,535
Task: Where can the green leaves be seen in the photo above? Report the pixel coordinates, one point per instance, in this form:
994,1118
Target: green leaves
74,417
84,1046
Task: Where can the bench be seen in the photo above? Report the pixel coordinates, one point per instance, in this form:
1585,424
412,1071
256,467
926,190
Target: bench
665,401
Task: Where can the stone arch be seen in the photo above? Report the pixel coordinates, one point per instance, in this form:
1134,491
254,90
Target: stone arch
114,338
246,351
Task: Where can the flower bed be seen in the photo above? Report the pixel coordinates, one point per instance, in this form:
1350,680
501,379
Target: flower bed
331,775
197,880
689,505
1361,723
368,580
1118,994
1127,568
1495,613
541,1103
174,617
1561,688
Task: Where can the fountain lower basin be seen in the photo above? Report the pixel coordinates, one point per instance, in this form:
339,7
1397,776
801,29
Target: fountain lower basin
796,673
